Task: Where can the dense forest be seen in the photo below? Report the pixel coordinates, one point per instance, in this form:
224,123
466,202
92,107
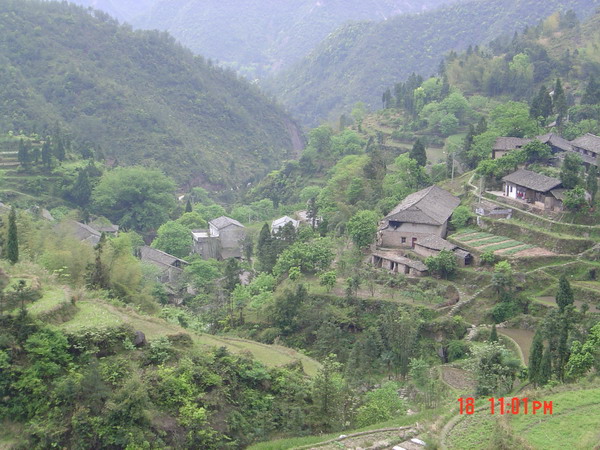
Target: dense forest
358,61
138,95
254,37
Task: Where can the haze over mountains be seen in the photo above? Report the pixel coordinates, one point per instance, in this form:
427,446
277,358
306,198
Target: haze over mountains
255,37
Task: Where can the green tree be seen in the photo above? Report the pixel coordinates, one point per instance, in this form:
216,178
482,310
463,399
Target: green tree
495,368
188,206
328,394
231,274
559,102
541,106
571,170
535,358
380,405
575,199
502,279
23,154
362,228
460,217
418,153
135,197
174,239
545,368
81,191
592,182
192,221
203,273
584,356
98,277
287,307
493,334
12,241
564,295
328,279
444,264
265,249
591,96
537,152
46,154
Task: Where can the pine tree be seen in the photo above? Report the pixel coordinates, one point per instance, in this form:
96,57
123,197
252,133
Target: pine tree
545,368
98,276
564,295
592,92
82,189
559,102
22,155
46,154
418,153
535,358
493,334
188,206
265,250
12,244
541,106
592,182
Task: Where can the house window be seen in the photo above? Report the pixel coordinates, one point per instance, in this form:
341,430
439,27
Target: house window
511,189
403,240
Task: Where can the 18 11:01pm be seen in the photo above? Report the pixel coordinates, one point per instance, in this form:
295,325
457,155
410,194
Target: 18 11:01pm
501,405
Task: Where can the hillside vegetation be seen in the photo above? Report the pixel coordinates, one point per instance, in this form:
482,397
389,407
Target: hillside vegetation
358,61
138,96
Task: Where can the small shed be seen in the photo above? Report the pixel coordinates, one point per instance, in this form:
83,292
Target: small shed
278,224
433,245
171,266
396,263
488,209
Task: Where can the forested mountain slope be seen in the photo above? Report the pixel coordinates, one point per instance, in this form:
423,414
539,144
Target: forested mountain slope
255,37
138,95
358,61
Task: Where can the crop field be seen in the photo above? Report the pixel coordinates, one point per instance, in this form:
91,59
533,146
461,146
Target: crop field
500,245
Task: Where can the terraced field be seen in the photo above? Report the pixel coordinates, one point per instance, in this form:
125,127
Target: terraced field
500,245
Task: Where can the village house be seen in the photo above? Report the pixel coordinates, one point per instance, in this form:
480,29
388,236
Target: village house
83,232
419,215
222,240
171,267
588,148
432,245
396,263
541,191
278,224
503,145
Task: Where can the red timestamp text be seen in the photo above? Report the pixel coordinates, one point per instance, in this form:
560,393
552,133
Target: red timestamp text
502,405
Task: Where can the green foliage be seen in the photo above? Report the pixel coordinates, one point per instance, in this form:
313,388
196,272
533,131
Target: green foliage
535,358
571,170
575,199
461,217
309,257
362,227
192,221
502,279
328,279
203,273
584,356
495,367
564,295
135,197
488,258
443,264
418,153
380,405
12,240
537,152
173,238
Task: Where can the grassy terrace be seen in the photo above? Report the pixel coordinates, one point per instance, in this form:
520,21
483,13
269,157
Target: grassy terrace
98,314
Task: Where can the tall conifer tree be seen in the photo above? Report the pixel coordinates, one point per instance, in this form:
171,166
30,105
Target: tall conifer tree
535,358
564,295
12,243
418,153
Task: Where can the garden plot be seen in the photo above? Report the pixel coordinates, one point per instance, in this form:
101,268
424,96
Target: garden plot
500,245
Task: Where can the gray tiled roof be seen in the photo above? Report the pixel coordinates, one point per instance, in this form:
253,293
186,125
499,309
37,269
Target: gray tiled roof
223,221
532,180
588,141
435,242
85,233
509,143
158,257
556,141
432,206
414,264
